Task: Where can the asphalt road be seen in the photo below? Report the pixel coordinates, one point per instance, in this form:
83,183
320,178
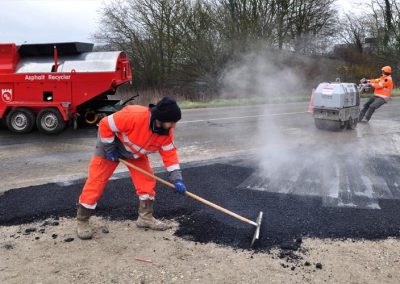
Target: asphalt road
280,140
267,158
287,217
202,134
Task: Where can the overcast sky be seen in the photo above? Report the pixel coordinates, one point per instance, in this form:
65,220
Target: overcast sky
37,21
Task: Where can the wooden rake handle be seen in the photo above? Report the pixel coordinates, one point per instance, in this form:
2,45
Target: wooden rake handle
194,196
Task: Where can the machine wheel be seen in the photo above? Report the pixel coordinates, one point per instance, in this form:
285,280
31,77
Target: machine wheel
319,123
332,125
50,121
352,123
91,117
21,120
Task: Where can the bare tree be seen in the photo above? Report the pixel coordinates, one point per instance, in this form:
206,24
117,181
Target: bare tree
354,30
185,44
310,20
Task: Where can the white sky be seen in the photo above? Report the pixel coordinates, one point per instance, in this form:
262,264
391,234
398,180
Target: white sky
39,21
352,6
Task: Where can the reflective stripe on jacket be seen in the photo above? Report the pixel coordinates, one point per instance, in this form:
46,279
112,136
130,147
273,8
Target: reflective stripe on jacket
383,86
132,127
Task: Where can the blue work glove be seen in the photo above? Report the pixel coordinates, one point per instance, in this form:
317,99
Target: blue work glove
180,186
112,155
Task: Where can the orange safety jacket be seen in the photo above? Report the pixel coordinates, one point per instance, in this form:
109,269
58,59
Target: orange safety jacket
383,86
132,127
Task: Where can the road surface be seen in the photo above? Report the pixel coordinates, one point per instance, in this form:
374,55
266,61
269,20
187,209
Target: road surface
280,141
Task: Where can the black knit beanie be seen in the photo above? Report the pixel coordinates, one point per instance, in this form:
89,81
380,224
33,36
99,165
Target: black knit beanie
167,110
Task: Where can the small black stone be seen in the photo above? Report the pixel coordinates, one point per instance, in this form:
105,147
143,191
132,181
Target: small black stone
54,236
30,230
8,246
318,265
68,240
307,263
55,223
36,238
105,230
293,268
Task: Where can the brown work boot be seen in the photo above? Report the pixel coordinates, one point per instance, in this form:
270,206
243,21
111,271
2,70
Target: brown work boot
84,231
146,219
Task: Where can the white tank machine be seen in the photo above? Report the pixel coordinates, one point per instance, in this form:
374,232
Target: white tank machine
336,106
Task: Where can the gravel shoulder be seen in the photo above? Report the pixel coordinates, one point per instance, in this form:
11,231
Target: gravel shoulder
121,253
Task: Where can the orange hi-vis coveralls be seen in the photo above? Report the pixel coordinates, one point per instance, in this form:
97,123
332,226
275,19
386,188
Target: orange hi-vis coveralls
383,86
382,93
128,131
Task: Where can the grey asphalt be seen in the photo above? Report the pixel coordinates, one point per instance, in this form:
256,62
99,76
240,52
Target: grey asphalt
203,134
309,182
288,218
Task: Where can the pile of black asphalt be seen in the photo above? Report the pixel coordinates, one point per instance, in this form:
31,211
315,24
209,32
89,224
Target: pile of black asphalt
287,218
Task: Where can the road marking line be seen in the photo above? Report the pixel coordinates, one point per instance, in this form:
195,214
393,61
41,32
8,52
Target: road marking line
237,117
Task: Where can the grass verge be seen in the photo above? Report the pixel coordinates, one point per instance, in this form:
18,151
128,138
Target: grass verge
187,104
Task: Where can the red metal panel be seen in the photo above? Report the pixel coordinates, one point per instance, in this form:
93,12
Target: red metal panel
86,86
66,91
33,92
8,58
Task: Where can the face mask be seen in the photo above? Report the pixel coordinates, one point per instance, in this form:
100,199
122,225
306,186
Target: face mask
159,130
155,129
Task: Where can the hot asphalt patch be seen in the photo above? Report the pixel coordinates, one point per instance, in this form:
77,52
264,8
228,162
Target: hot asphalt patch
287,217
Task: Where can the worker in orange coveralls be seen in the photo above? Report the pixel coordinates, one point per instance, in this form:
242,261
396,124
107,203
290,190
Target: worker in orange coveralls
383,91
132,133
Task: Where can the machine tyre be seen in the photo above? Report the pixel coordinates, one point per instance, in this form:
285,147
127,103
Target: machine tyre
50,121
343,125
332,125
352,123
319,123
21,120
91,117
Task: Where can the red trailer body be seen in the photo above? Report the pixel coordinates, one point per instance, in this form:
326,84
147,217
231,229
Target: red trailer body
48,85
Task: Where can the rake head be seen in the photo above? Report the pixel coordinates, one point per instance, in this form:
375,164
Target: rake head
257,232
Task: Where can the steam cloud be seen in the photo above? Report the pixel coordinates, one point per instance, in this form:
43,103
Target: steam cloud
291,158
261,74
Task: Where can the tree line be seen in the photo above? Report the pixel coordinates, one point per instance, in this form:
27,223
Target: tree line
186,45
